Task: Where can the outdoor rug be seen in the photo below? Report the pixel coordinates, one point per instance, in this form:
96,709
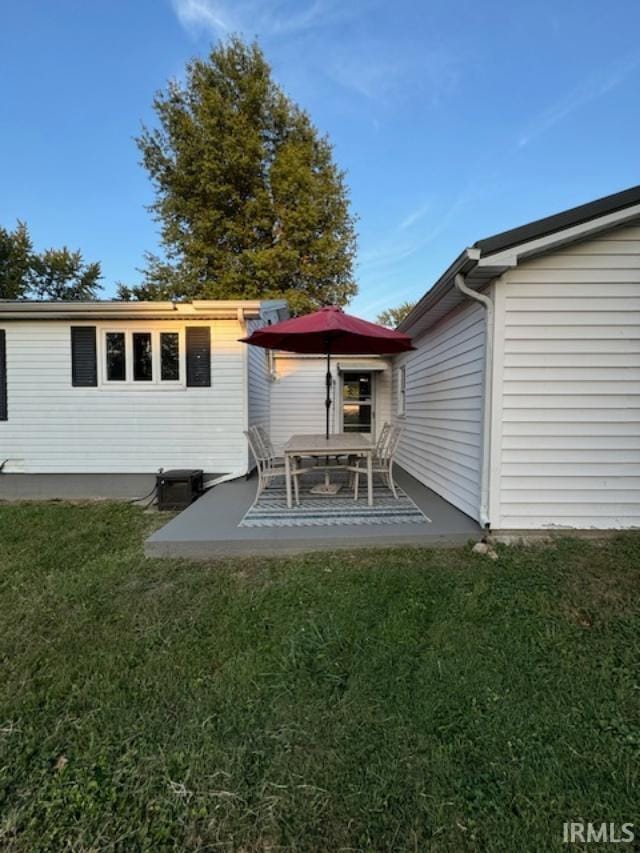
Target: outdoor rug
335,511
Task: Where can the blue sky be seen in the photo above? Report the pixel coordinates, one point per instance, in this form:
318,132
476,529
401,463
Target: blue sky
454,120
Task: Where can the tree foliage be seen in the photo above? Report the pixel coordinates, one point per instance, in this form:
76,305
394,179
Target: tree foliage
16,254
248,197
57,274
392,317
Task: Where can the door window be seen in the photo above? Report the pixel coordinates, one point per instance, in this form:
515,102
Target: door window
357,402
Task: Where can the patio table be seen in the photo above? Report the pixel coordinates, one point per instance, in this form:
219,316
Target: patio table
338,444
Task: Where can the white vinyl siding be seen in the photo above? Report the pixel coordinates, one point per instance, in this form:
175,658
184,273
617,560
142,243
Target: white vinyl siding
259,383
566,443
56,428
298,395
441,443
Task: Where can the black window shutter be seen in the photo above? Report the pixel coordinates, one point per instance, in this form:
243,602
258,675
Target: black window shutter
198,356
3,376
84,368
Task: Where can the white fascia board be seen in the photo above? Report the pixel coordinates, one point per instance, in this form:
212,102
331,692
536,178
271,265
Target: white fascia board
362,364
199,309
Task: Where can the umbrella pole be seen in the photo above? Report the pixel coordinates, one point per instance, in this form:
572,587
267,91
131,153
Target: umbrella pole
327,401
327,488
327,404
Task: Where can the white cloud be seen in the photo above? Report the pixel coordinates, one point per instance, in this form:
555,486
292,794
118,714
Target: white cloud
414,217
390,253
595,87
252,16
395,250
203,15
379,71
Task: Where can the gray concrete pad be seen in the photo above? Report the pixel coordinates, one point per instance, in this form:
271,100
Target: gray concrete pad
209,527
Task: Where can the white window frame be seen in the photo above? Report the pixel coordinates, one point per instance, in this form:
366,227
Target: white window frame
401,377
129,383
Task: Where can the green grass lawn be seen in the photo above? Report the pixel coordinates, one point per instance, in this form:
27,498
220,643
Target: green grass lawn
373,700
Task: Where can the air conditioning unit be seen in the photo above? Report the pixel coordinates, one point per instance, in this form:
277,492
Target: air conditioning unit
179,488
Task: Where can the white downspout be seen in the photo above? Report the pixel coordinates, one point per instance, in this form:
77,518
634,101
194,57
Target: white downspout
488,373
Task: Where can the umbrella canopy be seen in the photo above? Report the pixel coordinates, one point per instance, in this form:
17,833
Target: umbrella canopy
330,331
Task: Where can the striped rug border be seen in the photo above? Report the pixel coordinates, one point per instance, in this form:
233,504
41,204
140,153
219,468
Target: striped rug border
318,511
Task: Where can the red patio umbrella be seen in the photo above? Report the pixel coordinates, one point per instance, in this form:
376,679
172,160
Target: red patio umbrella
330,331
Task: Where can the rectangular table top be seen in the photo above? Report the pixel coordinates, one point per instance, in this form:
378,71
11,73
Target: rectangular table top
339,442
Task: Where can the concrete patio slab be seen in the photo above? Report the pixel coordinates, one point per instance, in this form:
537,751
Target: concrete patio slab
209,527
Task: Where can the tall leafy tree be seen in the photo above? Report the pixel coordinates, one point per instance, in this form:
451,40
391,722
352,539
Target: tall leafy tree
248,197
16,254
57,274
62,274
392,317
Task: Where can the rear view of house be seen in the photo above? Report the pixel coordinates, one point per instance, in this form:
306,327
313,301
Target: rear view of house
521,405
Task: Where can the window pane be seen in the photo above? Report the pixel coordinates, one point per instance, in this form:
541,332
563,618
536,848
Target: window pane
116,360
357,386
356,418
169,356
142,370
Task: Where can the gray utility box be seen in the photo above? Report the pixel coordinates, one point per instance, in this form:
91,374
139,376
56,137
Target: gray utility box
179,488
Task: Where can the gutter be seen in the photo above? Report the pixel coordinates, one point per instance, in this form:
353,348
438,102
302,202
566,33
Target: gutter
114,310
116,316
485,471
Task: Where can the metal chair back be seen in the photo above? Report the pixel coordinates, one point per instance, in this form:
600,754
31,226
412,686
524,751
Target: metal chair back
265,439
257,449
382,440
391,444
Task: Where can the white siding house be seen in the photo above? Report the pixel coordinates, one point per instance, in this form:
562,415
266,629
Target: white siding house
130,425
520,404
550,314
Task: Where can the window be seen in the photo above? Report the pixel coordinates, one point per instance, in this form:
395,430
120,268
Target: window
142,365
169,356
116,357
143,358
402,390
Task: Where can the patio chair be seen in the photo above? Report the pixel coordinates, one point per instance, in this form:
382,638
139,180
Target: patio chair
265,438
382,462
269,467
377,453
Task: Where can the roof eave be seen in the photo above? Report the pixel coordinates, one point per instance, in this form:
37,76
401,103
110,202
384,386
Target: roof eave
581,215
480,268
196,310
463,264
